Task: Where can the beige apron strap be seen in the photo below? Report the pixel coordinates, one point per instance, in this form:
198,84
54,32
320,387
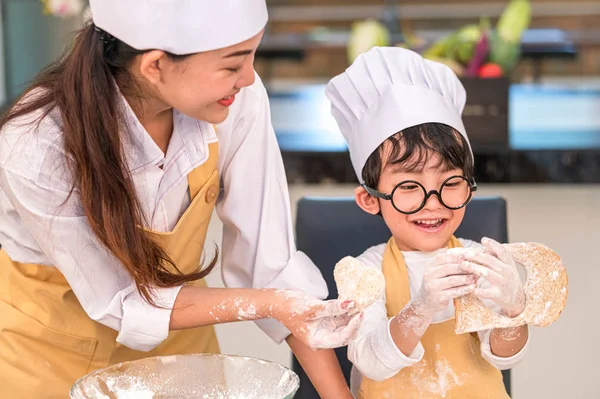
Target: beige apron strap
397,287
197,177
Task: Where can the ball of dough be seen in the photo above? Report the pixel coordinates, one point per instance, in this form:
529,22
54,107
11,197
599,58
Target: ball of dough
357,282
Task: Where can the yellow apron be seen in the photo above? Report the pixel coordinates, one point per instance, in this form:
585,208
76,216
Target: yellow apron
452,366
47,341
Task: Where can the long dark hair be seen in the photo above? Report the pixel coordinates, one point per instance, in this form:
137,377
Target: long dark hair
81,85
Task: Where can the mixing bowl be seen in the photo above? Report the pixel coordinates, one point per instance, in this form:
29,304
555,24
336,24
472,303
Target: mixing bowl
189,376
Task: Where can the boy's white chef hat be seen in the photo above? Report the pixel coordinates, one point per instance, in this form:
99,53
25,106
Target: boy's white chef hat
180,26
389,89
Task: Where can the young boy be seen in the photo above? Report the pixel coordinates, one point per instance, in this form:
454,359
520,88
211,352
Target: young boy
401,117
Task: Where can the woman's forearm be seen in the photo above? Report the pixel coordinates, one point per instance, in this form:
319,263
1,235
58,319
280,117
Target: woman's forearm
201,306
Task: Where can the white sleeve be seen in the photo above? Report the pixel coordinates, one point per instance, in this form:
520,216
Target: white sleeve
104,288
373,351
258,248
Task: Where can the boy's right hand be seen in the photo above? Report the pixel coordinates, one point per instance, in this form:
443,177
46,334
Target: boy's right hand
444,280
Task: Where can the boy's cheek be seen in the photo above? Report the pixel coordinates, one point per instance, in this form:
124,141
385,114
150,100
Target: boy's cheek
392,217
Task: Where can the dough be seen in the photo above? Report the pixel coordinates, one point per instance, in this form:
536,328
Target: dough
545,290
357,282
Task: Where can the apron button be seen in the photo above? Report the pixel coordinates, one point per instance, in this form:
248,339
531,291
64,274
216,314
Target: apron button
211,194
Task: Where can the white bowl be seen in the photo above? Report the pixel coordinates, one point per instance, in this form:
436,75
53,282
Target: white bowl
189,376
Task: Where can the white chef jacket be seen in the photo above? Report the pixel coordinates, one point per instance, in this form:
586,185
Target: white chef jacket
258,247
373,351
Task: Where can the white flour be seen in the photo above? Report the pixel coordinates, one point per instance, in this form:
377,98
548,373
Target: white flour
437,382
510,334
412,321
301,303
192,376
541,316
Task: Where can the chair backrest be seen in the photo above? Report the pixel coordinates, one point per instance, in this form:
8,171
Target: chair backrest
327,229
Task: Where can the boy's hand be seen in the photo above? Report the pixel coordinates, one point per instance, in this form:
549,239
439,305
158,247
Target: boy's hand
498,268
444,280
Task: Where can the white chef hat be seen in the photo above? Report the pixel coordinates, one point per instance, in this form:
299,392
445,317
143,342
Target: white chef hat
180,26
389,89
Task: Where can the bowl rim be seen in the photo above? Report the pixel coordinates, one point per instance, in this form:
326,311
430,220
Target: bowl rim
75,388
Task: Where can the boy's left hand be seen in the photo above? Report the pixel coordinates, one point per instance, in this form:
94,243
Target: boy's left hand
498,268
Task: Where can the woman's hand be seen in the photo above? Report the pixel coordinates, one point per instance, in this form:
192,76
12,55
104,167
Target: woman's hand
318,324
498,268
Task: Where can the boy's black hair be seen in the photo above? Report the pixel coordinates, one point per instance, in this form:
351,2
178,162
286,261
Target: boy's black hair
414,145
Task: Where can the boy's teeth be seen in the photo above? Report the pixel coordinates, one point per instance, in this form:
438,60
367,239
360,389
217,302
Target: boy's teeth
429,221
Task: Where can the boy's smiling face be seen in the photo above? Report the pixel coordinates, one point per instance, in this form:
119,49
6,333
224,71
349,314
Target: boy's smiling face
430,228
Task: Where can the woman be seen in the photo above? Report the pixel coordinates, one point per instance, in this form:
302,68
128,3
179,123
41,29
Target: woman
110,167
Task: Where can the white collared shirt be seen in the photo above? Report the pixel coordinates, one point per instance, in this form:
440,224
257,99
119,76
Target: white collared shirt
258,247
373,351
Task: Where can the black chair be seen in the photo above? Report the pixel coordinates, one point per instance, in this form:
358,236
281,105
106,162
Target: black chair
329,229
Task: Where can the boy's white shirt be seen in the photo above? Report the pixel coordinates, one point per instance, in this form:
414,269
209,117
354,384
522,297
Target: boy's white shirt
373,351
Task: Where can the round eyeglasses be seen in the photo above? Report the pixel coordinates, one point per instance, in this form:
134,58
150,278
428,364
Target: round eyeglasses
410,196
